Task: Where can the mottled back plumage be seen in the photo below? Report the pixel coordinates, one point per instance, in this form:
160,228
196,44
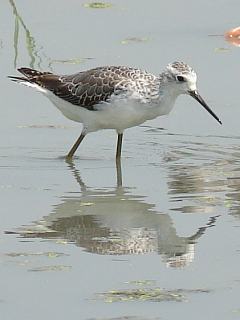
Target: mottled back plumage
89,88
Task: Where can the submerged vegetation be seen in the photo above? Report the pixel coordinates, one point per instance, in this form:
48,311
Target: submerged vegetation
149,294
30,42
36,54
98,5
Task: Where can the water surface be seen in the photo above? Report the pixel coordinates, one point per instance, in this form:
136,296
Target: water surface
157,238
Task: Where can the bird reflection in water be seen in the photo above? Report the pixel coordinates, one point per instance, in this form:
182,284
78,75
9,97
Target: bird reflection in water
115,222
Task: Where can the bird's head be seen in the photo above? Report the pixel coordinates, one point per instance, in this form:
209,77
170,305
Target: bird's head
183,80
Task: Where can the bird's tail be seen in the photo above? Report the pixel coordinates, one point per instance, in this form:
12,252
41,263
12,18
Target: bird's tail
28,73
30,78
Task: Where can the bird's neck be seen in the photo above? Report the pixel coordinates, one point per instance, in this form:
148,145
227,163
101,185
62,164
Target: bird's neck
167,98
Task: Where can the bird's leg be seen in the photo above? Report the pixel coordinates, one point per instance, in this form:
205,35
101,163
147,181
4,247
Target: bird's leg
119,172
75,146
119,146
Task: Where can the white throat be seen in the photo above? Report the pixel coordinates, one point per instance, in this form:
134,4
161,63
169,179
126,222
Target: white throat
168,95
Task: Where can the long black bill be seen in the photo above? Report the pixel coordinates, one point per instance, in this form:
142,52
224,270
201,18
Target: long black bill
197,97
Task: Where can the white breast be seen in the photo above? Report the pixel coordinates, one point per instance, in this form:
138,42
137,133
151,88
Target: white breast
119,114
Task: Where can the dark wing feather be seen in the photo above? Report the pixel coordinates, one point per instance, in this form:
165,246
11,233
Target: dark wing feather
91,87
88,88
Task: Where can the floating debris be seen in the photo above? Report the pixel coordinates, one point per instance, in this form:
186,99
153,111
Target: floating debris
228,203
221,50
233,36
32,254
134,40
51,268
43,126
155,295
126,318
98,5
142,282
152,294
67,61
86,204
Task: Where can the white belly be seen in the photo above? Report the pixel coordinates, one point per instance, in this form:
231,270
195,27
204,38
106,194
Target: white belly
120,114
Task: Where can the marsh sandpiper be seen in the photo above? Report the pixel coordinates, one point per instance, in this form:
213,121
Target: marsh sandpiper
114,97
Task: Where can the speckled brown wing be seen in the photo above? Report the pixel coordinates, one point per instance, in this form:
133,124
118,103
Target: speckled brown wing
89,88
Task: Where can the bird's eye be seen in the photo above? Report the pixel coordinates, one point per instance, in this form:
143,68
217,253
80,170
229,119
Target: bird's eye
180,78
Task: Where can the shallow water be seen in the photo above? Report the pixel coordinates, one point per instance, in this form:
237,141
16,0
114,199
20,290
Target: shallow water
157,238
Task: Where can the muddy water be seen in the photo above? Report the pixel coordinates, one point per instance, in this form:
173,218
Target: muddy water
157,238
